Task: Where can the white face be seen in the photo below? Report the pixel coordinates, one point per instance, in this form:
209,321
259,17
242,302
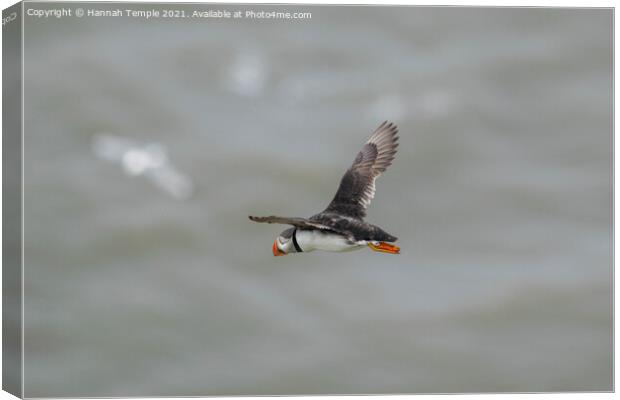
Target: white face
285,245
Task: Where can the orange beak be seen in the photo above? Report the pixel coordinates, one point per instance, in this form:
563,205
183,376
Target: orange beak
277,252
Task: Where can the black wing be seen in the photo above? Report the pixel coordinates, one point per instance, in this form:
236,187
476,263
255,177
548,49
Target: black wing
357,187
353,228
301,223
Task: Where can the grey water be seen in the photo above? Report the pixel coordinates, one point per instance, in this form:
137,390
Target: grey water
500,194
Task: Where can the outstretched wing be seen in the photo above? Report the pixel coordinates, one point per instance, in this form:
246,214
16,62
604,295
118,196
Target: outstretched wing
357,187
298,222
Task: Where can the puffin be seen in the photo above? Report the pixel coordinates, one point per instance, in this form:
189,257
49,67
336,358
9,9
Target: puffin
341,226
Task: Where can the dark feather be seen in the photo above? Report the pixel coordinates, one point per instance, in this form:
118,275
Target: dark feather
302,223
353,228
357,186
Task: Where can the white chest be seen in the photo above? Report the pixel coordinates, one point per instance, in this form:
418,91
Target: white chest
317,240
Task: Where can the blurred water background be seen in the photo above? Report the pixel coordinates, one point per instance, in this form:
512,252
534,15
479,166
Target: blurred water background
501,196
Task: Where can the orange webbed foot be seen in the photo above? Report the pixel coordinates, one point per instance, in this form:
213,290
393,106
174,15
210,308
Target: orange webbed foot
384,247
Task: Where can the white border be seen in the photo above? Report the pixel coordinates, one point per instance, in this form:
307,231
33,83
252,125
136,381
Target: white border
484,3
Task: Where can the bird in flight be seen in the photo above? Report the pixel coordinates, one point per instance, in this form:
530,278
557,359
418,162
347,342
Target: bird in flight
341,226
